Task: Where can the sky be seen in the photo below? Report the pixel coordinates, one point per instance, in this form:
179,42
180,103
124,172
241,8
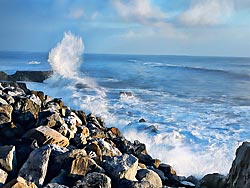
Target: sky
168,27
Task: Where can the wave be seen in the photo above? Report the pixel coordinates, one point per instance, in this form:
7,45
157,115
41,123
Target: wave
34,63
200,69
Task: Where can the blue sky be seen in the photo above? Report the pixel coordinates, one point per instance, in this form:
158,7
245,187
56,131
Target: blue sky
181,27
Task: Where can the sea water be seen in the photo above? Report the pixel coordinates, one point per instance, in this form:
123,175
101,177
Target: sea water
196,109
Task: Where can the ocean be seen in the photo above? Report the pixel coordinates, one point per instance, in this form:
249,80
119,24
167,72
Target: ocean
196,109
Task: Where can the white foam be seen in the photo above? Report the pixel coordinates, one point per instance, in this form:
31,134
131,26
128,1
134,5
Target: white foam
34,63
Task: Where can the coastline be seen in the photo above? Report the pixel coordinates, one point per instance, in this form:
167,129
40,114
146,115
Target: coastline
46,144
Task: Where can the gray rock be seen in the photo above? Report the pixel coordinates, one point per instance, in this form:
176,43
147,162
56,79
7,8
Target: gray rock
94,180
55,185
120,167
35,168
5,113
214,181
3,177
239,175
45,135
7,158
149,176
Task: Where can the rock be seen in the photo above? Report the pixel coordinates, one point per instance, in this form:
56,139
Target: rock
213,181
45,135
50,119
142,120
107,149
239,174
7,158
83,165
149,176
20,183
193,180
3,177
120,167
82,116
31,76
3,102
5,113
124,183
35,168
63,179
55,185
94,180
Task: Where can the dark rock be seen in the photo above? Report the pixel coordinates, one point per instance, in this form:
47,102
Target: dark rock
120,167
7,158
214,181
124,183
194,180
35,168
239,175
45,135
149,176
142,120
63,179
94,180
30,76
82,116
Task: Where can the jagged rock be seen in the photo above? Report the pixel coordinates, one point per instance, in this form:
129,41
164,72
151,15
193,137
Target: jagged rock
120,167
33,76
63,179
45,135
83,165
3,177
19,182
107,149
7,158
50,119
54,105
214,181
193,180
72,120
55,185
149,176
5,113
94,180
82,116
3,102
239,175
35,168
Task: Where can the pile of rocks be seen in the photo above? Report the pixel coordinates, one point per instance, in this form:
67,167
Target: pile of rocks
44,143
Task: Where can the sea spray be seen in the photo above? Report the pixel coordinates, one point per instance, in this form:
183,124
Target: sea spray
66,58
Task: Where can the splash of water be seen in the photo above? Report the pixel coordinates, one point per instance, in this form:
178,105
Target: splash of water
66,58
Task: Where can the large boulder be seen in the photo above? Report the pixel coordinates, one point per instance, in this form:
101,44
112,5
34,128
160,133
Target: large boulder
45,135
19,182
239,175
149,176
7,158
35,168
120,167
94,180
213,181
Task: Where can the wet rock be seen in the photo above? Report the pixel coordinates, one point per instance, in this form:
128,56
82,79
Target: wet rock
194,180
35,168
50,119
31,76
7,158
94,180
149,176
213,181
3,177
107,149
142,120
239,175
82,116
19,182
72,120
94,121
45,135
120,167
5,113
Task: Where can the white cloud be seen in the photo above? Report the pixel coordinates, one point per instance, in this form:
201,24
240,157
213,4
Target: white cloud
207,12
138,10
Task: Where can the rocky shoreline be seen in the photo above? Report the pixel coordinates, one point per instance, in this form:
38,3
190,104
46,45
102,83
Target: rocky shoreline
44,143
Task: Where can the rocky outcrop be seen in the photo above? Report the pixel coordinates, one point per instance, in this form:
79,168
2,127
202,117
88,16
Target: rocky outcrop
44,143
33,76
239,175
